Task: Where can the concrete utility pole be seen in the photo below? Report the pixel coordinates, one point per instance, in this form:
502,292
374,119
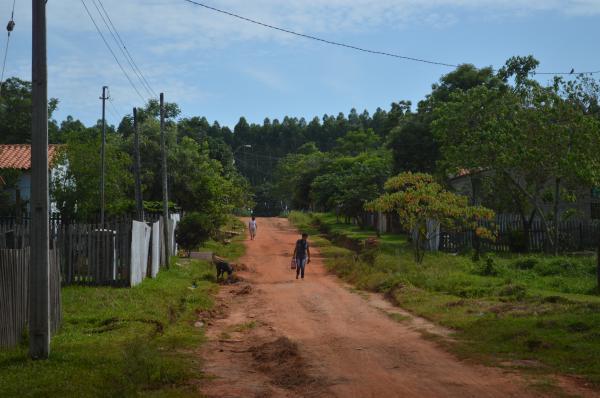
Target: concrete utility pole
103,155
139,203
39,272
163,150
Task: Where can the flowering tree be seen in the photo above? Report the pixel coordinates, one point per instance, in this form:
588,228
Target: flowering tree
417,197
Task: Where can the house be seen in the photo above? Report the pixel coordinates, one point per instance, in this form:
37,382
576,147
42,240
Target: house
586,205
18,157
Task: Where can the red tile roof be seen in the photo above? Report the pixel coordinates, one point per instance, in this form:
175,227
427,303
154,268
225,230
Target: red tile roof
19,156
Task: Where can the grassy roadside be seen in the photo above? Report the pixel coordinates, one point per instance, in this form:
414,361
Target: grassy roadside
533,311
123,342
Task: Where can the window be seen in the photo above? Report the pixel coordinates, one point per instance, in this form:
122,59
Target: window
595,193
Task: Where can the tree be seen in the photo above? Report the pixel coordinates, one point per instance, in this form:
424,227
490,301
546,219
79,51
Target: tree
417,198
294,175
538,140
194,229
348,182
15,112
76,186
356,142
413,146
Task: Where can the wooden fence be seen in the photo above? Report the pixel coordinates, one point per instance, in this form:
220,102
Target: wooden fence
574,235
96,254
14,294
93,254
82,254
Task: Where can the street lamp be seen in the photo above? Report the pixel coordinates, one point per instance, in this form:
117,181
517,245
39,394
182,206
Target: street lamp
237,149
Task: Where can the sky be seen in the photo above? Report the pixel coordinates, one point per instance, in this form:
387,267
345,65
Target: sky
222,68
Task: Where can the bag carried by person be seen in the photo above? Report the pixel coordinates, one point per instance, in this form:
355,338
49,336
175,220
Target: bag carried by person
293,266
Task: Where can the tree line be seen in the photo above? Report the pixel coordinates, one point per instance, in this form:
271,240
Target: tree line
527,146
202,176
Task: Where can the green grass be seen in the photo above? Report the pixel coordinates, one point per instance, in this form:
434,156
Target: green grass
503,308
119,342
124,342
233,249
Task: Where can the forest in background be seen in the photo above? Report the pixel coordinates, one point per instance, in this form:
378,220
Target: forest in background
340,162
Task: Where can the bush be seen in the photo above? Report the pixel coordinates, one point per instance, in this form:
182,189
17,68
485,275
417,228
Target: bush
525,263
488,269
516,290
565,267
194,229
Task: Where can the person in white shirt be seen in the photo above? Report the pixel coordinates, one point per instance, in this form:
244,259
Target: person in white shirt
252,227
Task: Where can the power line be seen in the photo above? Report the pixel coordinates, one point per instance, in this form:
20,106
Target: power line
113,110
248,165
350,46
566,73
262,156
127,51
112,52
118,45
9,29
334,43
121,44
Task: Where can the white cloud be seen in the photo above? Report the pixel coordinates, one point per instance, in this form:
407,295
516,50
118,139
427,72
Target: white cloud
187,26
170,37
268,78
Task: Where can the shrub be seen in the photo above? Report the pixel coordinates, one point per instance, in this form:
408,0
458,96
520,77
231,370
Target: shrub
515,290
194,229
488,269
525,263
565,267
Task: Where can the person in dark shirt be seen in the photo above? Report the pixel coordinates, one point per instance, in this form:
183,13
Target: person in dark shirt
301,255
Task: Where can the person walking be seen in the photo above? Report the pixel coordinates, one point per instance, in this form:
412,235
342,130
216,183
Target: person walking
252,227
301,255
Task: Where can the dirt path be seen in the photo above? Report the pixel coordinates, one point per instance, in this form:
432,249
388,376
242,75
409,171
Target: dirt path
282,337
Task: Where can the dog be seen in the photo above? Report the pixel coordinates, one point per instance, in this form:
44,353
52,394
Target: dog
222,267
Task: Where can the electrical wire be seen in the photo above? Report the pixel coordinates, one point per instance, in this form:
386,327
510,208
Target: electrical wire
262,156
253,167
326,41
566,73
9,28
112,52
353,47
121,45
113,110
127,51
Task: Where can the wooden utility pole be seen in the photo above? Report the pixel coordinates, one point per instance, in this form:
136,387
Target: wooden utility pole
139,203
163,150
103,155
39,272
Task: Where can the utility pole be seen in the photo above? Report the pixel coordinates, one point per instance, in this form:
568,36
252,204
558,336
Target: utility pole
163,150
39,272
103,155
139,203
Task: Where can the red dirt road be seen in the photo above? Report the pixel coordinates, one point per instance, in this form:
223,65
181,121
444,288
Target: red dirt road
346,344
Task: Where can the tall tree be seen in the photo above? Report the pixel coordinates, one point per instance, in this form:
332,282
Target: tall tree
532,136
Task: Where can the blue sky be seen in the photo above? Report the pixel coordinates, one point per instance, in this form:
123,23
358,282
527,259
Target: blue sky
223,68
